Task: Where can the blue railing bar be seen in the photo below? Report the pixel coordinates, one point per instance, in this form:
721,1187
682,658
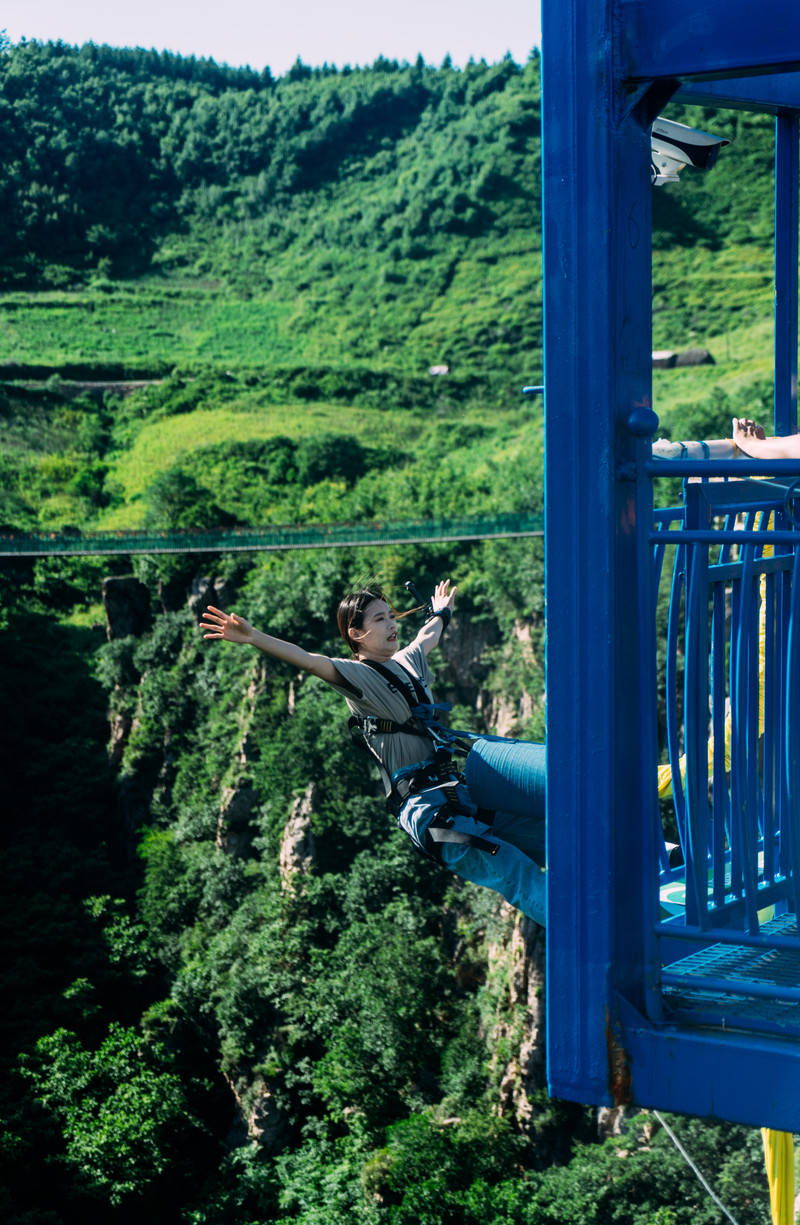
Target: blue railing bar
695,720
736,856
731,986
743,664
725,548
657,565
707,536
710,498
739,505
721,572
671,667
792,731
785,812
766,468
720,800
769,795
787,215
721,935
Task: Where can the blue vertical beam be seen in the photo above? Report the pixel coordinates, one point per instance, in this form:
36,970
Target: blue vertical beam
787,177
597,289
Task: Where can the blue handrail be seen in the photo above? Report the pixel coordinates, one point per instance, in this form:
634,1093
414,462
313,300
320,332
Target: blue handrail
730,675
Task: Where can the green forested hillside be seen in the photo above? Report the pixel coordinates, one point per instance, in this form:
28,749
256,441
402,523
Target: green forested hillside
384,214
233,993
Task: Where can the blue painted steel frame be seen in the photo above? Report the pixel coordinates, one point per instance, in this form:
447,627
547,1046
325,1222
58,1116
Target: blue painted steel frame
608,67
722,38
787,173
597,372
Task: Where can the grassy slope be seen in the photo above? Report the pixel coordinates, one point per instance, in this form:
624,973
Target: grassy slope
320,283
330,320
422,437
142,325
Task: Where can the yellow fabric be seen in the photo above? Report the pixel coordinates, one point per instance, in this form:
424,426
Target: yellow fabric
779,1159
665,772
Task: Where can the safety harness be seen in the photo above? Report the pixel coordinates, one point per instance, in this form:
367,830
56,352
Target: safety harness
438,773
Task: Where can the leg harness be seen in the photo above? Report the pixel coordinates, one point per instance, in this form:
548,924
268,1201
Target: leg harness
437,774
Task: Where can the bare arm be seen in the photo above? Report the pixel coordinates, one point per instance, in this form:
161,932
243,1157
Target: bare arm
750,439
231,628
443,597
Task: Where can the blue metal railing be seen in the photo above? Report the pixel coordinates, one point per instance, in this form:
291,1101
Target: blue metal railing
730,680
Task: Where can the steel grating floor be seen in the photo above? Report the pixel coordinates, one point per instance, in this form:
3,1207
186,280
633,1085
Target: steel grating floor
693,1002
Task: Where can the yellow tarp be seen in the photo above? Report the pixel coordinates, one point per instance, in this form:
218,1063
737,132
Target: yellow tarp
779,1158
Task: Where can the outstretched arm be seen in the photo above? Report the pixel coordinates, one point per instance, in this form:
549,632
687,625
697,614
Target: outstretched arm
231,628
750,439
443,598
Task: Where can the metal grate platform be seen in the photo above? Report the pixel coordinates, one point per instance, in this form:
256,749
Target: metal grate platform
736,986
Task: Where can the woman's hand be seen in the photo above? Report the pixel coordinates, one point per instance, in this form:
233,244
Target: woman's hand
750,439
443,596
744,428
226,625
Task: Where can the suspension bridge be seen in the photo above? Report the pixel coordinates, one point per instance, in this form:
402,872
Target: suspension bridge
68,542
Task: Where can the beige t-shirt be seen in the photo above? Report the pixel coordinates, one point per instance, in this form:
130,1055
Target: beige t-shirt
368,693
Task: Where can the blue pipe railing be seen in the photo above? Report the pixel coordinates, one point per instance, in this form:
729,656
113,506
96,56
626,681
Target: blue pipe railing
731,674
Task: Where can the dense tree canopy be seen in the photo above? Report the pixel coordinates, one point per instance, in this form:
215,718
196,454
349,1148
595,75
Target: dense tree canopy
106,151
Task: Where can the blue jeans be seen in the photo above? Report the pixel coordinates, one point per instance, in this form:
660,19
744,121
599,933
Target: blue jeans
511,871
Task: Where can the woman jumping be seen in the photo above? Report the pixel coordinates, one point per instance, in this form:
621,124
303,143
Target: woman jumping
387,689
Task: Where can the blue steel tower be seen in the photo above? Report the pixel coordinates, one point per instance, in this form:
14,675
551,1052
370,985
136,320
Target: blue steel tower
696,1012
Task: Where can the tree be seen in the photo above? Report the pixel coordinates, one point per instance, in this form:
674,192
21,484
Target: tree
176,502
122,1109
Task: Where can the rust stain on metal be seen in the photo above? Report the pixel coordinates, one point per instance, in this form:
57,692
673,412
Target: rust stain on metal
619,1072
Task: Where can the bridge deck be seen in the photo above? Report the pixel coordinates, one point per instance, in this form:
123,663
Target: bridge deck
247,539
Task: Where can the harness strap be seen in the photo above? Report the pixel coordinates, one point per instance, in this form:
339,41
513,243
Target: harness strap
410,686
363,743
414,693
417,697
439,830
443,834
371,723
437,774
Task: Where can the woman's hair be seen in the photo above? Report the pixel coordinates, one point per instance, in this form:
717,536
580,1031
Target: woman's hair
350,613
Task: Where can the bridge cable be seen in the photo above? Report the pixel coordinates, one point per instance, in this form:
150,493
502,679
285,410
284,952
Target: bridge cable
693,1167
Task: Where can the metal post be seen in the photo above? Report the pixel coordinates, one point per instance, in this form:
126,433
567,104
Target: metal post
787,127
596,160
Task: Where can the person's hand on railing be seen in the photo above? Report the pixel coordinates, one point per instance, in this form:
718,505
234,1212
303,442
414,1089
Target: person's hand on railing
751,440
744,429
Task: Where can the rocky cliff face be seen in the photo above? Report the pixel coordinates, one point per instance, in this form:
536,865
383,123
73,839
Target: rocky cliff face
475,660
297,845
126,602
517,960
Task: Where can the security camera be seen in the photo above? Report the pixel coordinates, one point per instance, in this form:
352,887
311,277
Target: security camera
674,145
